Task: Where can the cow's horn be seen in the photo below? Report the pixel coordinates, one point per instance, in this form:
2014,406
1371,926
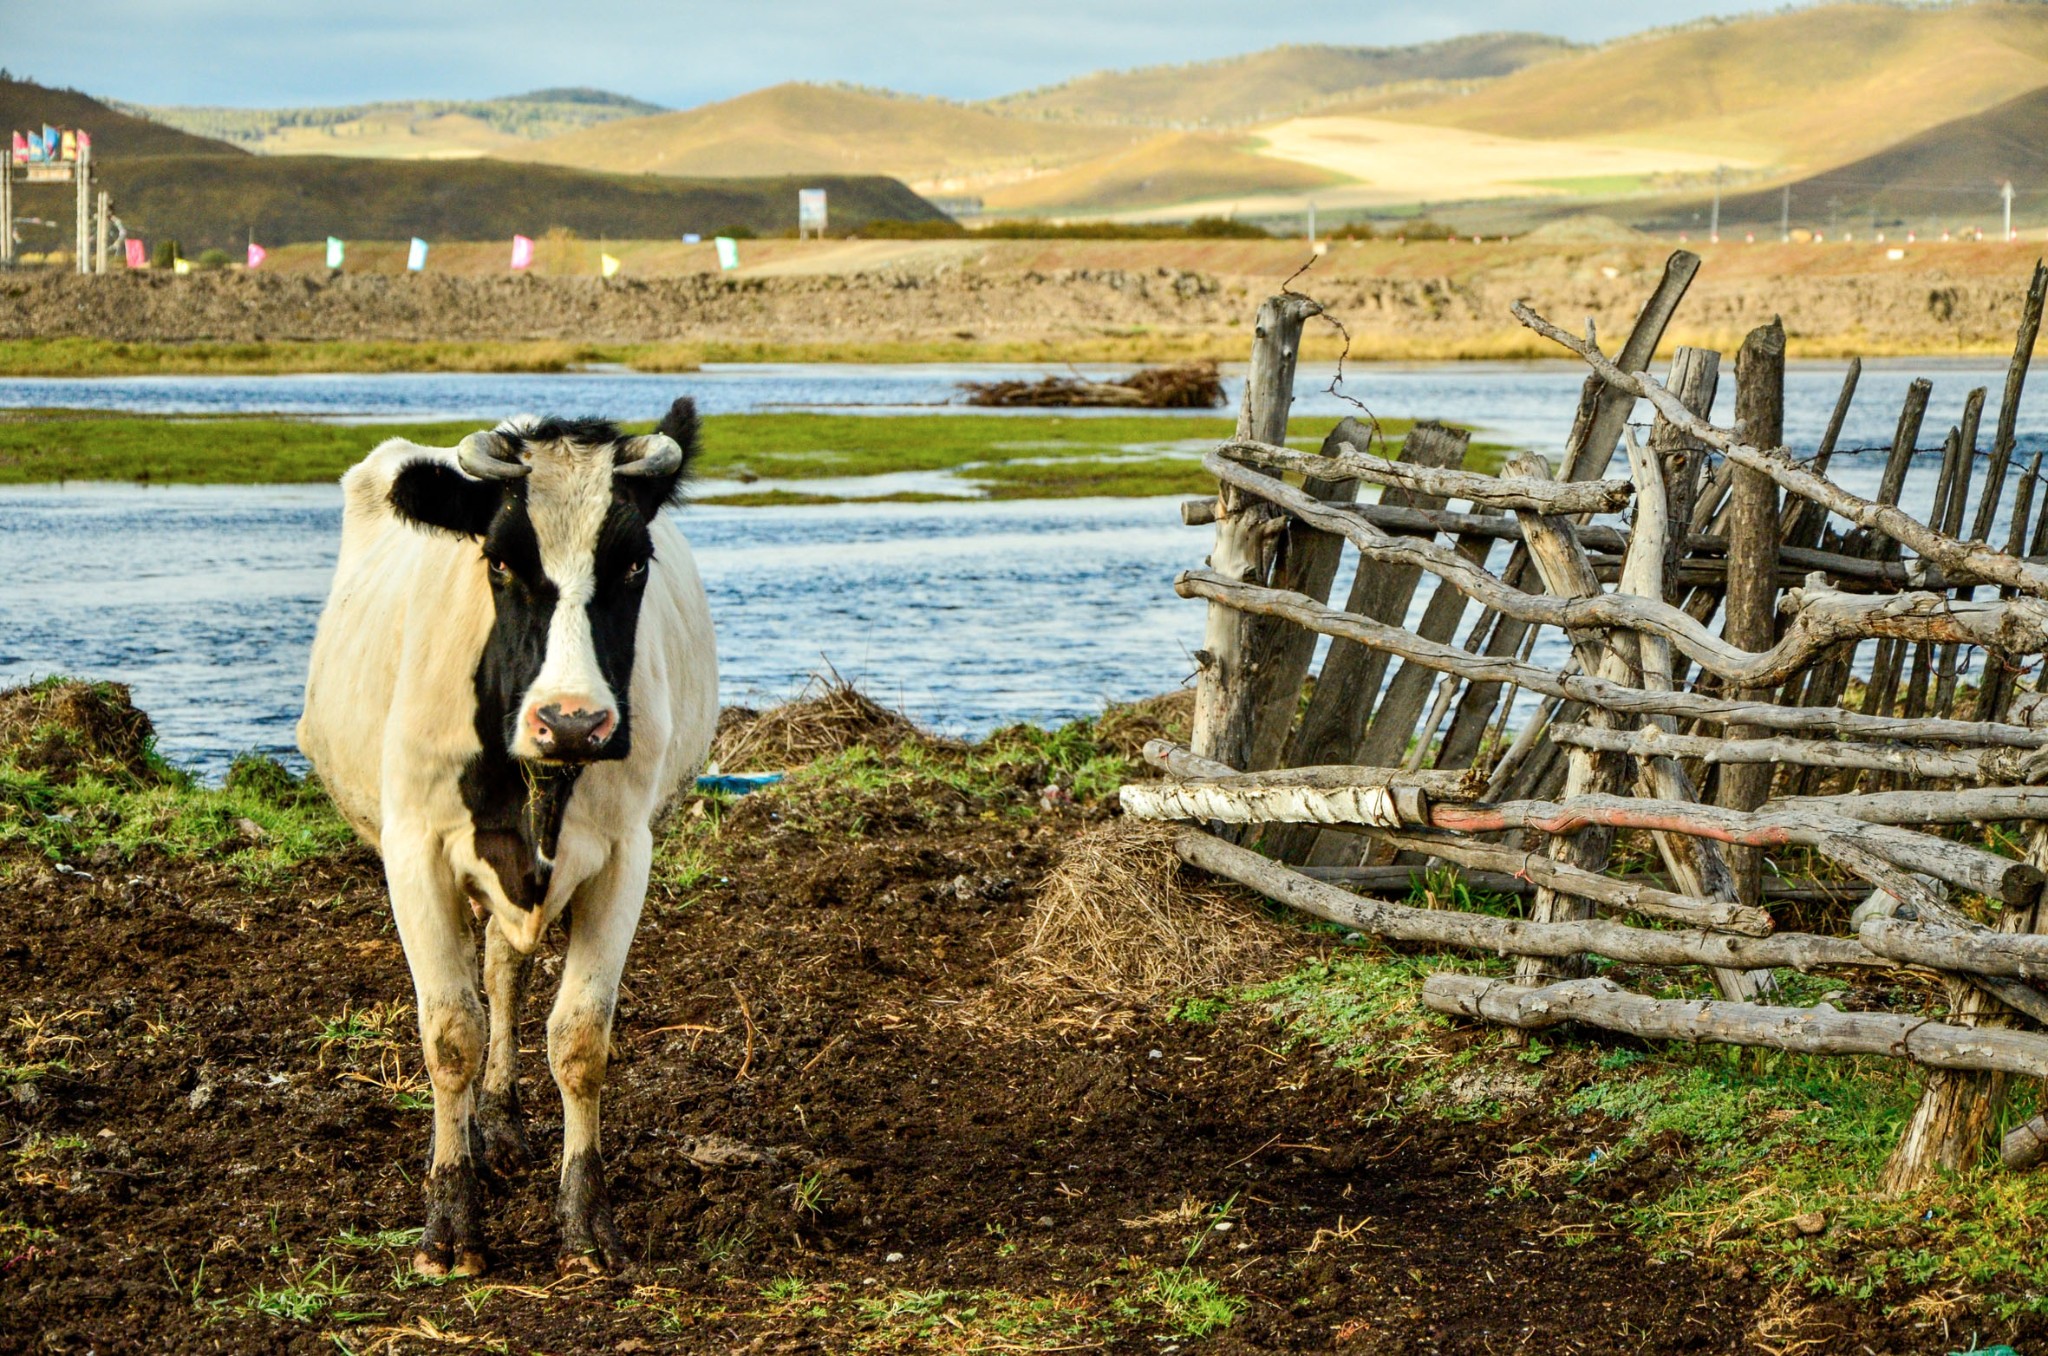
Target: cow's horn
658,455
483,455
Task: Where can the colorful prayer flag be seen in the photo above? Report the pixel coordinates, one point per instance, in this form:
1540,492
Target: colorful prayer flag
416,257
50,142
137,256
257,254
335,249
607,265
84,142
181,265
20,149
522,251
728,252
69,146
35,147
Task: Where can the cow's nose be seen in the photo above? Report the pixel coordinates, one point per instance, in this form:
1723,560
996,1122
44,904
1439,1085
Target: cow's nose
575,732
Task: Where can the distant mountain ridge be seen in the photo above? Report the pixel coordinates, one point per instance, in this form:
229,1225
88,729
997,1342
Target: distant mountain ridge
402,128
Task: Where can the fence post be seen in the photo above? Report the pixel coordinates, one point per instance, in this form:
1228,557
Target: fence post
1237,697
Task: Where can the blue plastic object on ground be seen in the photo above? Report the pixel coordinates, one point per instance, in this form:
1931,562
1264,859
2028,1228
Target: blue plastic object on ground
735,783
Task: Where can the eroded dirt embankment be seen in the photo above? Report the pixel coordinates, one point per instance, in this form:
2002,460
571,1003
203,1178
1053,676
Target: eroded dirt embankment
1426,303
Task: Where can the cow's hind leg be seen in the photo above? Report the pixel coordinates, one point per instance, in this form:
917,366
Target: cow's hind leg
433,923
602,921
500,1123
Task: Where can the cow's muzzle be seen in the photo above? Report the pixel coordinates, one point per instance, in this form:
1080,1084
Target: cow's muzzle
571,731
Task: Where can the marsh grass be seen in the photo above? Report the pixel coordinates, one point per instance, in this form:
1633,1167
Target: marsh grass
1004,456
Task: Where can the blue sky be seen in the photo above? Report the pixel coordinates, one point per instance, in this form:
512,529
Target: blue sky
257,53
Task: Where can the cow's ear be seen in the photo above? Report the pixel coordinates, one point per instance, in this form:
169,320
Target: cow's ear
650,492
434,494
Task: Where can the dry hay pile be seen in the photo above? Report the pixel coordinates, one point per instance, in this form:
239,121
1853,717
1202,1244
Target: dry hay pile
1182,386
1119,914
62,728
1126,727
831,717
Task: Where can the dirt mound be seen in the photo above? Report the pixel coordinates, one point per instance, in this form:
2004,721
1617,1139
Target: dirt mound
61,728
1119,914
1182,386
832,717
1587,227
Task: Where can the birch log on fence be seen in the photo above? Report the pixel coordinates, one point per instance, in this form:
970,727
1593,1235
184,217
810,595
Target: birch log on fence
1227,705
1951,554
1209,585
1516,936
1181,762
1969,805
1817,1030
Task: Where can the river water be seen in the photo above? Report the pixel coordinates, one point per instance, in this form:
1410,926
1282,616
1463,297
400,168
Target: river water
968,615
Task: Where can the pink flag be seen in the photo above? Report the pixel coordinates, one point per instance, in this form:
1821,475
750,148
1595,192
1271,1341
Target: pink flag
20,149
137,256
84,140
257,254
522,251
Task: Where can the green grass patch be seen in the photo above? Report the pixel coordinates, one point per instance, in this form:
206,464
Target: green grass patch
1005,456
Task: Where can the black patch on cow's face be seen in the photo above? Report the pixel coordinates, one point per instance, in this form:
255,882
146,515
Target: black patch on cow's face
434,494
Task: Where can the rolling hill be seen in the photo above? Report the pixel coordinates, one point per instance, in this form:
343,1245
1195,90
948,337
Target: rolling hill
1275,83
1174,168
427,129
1945,176
207,194
819,129
114,134
1799,90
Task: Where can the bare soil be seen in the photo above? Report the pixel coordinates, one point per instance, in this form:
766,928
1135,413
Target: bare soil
826,1068
1154,298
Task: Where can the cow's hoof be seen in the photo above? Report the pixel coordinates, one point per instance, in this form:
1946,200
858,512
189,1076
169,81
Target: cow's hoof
591,1245
452,1244
456,1264
498,1134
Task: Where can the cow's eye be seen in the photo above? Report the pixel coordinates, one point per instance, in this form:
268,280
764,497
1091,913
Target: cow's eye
636,571
500,571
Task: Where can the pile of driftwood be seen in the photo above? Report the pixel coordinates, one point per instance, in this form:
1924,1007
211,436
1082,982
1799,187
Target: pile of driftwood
1183,386
1781,694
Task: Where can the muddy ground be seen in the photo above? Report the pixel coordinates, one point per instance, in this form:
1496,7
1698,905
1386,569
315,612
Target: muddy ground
1429,300
841,1118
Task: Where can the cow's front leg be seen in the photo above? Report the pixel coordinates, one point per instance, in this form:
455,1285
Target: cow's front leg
433,923
500,1122
602,921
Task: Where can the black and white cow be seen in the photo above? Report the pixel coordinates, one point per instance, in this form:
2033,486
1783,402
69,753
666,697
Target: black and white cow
514,672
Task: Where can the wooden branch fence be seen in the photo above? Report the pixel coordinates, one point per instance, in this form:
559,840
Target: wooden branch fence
1777,694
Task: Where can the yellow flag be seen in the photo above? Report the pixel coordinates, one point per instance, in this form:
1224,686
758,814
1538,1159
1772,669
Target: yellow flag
181,265
608,264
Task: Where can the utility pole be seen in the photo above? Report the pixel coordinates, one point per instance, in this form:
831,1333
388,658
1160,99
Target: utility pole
2005,192
1714,222
1785,215
99,253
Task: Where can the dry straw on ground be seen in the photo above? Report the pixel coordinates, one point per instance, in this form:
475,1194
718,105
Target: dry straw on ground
64,728
831,717
1118,914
